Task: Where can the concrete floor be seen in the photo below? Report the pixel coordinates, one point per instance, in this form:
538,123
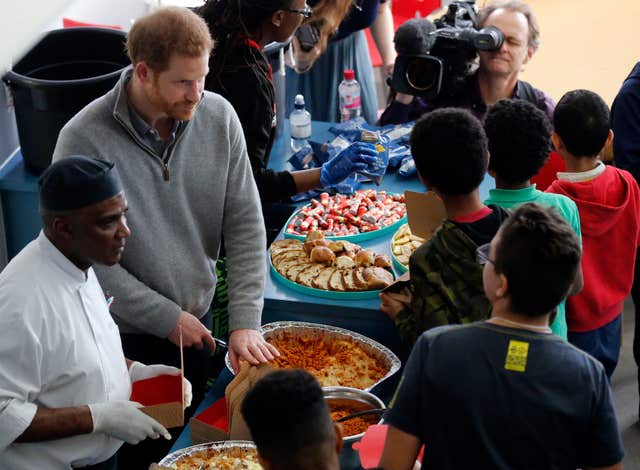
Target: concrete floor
625,393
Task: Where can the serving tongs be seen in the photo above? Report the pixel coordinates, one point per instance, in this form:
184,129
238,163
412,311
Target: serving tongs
372,411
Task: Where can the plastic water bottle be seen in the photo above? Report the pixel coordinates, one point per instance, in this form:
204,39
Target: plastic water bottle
349,91
300,121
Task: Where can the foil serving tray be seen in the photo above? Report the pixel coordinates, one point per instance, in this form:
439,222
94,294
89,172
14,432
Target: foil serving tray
371,347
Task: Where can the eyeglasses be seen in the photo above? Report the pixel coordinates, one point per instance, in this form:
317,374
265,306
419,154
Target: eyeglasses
306,11
482,254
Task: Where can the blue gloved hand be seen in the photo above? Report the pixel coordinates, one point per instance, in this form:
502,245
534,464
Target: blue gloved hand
356,157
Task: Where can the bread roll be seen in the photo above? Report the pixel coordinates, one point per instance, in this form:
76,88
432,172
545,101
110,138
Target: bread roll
322,255
382,261
311,244
314,235
365,258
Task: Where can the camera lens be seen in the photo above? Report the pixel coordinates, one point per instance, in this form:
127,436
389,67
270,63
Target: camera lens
422,73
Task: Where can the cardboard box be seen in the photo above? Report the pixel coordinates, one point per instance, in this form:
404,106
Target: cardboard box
223,420
425,213
162,397
210,425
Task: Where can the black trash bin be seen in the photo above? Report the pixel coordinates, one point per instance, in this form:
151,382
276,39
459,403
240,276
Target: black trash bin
59,76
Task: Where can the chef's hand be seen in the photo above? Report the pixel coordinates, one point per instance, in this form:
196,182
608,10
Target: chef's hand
140,371
392,304
124,421
251,346
356,157
194,333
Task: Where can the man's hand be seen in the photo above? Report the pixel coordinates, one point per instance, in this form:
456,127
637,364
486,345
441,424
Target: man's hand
392,303
123,420
250,346
140,371
194,333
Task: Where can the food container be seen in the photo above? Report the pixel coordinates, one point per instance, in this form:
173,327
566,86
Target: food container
173,457
371,347
349,458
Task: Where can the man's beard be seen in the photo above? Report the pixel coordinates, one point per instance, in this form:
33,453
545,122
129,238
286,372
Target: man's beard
181,111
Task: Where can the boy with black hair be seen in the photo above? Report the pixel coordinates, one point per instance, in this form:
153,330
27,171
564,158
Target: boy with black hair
535,401
449,147
608,200
519,143
290,422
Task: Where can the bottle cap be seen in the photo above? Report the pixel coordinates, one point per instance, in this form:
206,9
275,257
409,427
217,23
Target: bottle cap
299,102
349,74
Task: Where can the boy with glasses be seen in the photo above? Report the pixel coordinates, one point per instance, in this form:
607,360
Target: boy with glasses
506,393
449,147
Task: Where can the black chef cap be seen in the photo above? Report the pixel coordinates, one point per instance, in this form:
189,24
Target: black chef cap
78,181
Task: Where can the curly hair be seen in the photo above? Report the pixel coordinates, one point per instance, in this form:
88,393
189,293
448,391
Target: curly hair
519,140
449,147
539,254
166,31
518,7
289,419
581,119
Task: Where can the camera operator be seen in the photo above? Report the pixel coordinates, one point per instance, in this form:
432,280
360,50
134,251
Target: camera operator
497,74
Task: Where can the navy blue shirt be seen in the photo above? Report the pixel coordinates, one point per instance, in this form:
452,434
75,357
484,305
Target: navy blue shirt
486,396
625,122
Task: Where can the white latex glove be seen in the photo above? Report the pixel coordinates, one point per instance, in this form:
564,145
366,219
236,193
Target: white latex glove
123,420
140,371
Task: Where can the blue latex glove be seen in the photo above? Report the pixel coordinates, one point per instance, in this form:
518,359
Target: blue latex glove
356,157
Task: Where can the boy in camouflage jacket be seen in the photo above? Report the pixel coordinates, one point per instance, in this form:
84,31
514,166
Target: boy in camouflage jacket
449,147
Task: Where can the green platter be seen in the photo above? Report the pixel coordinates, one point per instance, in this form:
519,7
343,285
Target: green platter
359,237
399,267
326,294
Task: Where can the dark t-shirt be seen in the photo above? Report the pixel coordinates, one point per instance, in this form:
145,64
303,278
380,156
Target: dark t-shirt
485,396
483,230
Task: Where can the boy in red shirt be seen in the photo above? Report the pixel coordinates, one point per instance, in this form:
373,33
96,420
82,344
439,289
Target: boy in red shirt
608,201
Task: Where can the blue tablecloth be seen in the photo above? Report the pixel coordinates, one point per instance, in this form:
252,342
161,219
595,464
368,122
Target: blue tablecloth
362,316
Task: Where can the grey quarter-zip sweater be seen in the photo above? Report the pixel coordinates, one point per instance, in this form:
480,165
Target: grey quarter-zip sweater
181,204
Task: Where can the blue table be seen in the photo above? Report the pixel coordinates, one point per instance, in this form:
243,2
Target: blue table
19,196
362,316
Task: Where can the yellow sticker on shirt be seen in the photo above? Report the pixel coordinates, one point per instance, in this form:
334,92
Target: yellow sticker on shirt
517,356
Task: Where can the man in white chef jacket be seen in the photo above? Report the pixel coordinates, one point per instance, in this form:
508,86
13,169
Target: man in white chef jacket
64,381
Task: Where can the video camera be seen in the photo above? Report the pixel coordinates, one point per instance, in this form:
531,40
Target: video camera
435,58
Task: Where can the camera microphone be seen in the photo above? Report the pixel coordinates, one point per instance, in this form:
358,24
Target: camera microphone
414,37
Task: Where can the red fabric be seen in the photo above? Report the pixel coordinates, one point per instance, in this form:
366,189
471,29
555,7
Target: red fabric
69,23
371,446
474,217
157,390
548,173
402,11
216,415
609,208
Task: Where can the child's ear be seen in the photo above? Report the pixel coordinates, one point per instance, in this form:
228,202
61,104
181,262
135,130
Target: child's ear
503,290
609,139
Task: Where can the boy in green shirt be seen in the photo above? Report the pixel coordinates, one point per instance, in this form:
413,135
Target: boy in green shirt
519,143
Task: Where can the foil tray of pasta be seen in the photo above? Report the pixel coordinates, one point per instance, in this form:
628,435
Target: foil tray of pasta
335,356
224,455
